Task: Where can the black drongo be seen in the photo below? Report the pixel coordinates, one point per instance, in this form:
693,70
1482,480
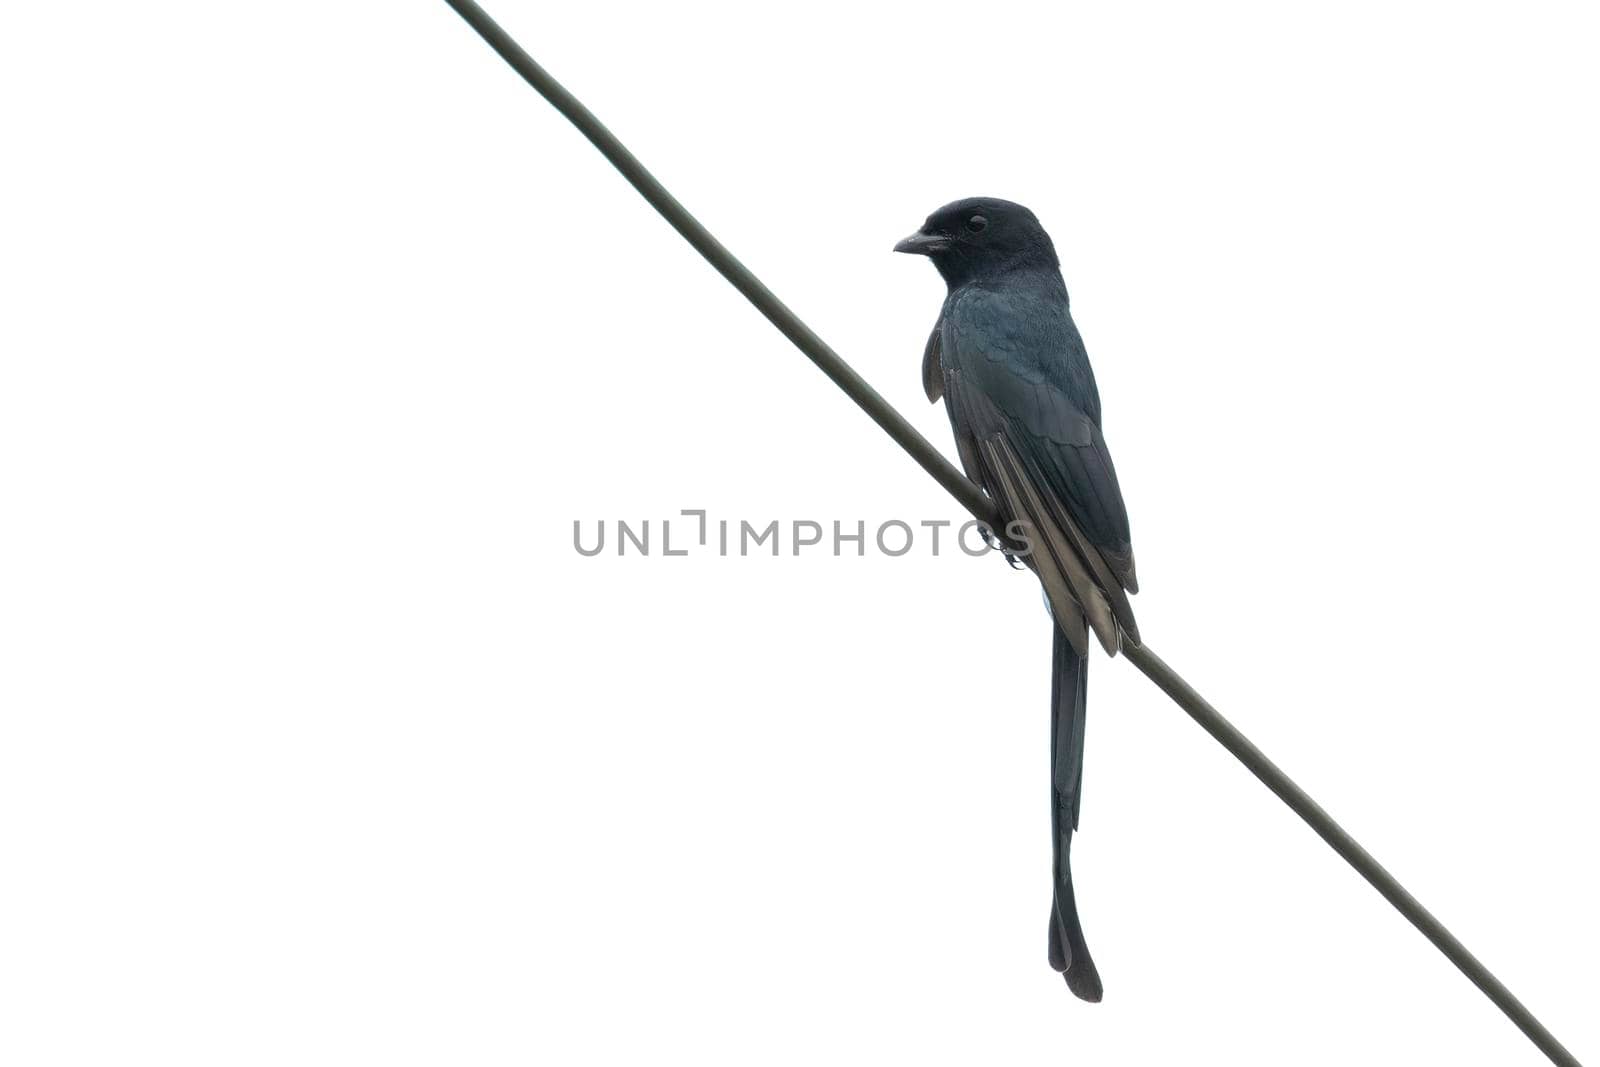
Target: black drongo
1015,378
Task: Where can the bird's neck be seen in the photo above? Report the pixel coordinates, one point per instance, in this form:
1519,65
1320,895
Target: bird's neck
1018,270
959,269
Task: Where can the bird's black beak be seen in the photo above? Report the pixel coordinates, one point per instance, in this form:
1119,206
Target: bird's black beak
922,243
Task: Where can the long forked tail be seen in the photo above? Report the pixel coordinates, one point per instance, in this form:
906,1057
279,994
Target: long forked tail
1068,706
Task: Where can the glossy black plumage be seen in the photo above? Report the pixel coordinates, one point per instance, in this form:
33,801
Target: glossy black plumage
1007,359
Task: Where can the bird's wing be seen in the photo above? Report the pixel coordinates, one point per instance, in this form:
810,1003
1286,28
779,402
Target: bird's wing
1077,582
932,372
1068,452
1044,459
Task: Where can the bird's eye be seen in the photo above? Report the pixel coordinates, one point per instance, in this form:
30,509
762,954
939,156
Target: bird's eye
977,223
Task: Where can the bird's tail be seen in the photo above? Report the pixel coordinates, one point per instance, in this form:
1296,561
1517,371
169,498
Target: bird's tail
1069,704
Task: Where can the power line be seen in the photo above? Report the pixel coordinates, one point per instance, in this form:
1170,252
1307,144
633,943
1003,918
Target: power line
972,498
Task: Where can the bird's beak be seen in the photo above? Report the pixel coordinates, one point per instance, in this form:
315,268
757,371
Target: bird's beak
923,244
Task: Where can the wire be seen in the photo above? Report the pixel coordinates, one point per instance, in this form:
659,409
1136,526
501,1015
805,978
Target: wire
973,499
1228,735
728,265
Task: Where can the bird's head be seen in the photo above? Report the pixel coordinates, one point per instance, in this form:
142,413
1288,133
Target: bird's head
981,237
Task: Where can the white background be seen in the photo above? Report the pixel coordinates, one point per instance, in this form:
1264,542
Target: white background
319,744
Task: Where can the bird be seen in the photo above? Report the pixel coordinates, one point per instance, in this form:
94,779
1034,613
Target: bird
1007,358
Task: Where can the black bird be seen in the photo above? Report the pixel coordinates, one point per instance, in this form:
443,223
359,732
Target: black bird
1015,378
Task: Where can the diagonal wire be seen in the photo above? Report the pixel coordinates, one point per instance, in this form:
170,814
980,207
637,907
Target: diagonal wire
972,498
